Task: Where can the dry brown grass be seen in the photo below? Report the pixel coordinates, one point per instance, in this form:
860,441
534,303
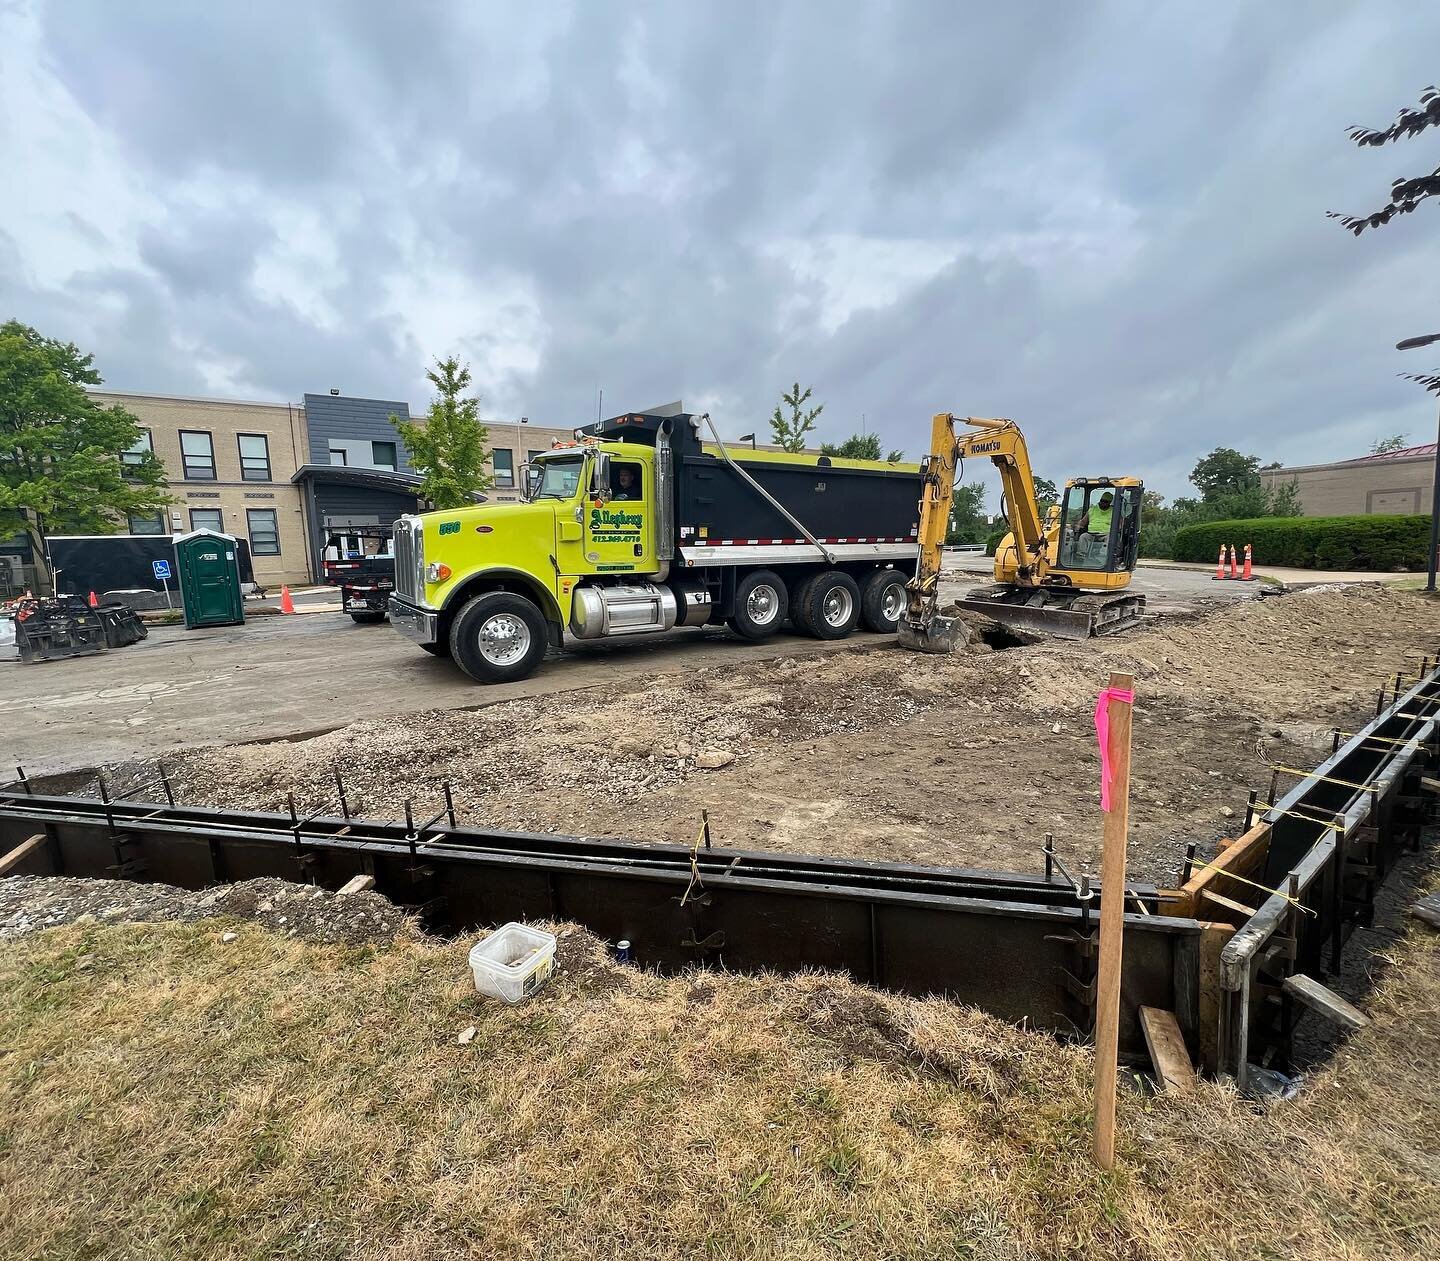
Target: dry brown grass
166,1094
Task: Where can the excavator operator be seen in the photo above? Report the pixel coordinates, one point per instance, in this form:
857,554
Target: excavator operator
1096,524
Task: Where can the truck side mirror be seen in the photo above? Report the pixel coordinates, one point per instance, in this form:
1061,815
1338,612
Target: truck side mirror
600,477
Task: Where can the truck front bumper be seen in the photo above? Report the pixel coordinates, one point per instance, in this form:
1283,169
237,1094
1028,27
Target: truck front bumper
413,623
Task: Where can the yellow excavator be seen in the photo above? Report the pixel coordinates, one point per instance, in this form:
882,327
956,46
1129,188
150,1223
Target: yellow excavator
1066,575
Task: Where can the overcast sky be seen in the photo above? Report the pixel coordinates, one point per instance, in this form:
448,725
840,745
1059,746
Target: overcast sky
1104,219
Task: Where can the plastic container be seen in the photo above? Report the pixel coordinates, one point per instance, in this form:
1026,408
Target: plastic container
513,962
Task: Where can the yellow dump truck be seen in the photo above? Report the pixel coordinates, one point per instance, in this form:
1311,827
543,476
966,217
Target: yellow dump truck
641,525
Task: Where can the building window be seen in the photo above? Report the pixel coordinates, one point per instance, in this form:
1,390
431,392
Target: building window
338,456
532,456
254,457
207,519
131,460
197,452
504,469
148,525
264,531
382,455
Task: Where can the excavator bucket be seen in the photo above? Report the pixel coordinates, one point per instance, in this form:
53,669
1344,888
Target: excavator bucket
941,635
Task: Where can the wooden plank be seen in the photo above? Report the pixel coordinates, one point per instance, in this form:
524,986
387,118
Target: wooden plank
358,884
1429,785
1227,904
20,853
1112,918
1167,1049
1244,857
1212,997
1326,1001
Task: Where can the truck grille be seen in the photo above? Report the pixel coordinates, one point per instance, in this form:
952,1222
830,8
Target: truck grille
409,548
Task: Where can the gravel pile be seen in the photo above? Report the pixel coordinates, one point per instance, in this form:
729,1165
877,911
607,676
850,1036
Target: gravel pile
31,903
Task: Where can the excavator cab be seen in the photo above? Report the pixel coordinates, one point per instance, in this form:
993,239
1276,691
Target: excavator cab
1099,529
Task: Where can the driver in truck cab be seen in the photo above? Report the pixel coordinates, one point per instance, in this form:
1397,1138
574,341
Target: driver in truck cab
627,485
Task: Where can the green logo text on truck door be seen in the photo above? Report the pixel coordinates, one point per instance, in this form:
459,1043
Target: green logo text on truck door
614,525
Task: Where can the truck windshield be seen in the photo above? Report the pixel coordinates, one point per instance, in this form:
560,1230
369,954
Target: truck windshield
557,477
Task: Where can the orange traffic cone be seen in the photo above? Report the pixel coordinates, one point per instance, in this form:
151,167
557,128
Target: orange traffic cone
287,605
1245,574
94,603
1220,566
1234,573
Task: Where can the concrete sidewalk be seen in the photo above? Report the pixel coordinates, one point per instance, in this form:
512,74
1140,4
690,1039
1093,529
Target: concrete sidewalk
1290,577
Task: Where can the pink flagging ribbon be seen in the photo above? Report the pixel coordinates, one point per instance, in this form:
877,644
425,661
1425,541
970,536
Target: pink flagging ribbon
1102,730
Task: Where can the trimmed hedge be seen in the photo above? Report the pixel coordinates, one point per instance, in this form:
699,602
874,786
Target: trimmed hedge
1373,543
995,540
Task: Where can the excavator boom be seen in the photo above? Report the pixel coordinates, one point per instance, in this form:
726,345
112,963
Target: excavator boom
1066,576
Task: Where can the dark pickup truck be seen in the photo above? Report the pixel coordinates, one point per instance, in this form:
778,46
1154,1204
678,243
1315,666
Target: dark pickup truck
362,565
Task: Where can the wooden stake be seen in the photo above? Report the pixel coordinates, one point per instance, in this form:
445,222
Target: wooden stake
1112,925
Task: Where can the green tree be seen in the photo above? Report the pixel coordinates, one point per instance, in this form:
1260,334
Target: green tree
1284,500
1225,472
448,448
1047,494
1383,446
861,446
60,468
968,523
790,432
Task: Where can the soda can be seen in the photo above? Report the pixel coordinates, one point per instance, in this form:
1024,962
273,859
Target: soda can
622,952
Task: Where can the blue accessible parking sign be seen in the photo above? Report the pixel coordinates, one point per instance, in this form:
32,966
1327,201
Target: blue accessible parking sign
161,568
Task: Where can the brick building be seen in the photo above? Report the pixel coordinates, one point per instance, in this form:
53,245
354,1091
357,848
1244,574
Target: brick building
1397,483
229,465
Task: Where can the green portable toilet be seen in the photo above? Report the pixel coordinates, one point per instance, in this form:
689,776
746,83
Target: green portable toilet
209,579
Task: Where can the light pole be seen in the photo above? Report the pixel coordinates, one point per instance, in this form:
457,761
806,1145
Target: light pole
1414,343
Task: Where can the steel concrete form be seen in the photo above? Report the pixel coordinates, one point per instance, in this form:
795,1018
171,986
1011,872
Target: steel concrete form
1020,946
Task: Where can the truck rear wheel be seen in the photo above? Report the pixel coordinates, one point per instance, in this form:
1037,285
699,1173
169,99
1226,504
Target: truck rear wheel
830,605
761,605
498,637
882,601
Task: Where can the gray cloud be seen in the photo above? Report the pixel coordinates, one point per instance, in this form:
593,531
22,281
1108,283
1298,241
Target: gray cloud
1106,220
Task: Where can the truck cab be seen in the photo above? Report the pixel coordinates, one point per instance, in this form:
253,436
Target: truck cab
597,547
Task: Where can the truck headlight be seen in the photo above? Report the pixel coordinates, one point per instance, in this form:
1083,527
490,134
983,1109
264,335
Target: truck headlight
436,572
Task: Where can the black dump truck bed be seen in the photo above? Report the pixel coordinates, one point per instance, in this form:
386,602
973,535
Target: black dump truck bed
855,509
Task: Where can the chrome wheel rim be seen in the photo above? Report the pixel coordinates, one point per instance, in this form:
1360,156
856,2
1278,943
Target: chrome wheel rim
837,607
762,604
893,602
503,639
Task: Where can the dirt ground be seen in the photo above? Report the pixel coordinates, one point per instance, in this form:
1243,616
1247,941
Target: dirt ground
965,760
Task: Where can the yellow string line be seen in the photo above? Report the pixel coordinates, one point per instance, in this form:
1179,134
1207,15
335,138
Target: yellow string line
1410,741
1295,902
694,866
1329,779
1308,818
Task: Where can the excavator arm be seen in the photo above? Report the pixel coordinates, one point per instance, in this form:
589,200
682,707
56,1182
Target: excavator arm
1001,442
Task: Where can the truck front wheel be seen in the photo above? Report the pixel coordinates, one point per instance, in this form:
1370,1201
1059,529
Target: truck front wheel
498,637
761,605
